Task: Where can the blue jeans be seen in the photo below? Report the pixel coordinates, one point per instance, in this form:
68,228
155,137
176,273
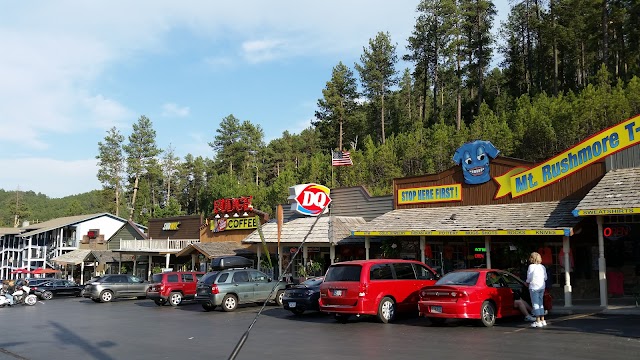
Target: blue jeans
9,297
537,302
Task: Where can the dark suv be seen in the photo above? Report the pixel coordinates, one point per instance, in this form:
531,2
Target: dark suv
174,287
230,287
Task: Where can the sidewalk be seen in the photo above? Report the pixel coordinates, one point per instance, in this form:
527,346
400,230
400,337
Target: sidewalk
620,306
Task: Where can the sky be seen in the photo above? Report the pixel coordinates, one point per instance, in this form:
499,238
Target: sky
71,70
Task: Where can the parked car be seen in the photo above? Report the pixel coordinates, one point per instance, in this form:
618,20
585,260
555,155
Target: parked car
47,290
229,287
110,287
37,281
484,294
173,287
374,287
304,296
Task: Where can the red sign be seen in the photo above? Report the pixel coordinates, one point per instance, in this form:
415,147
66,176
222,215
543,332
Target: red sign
310,199
232,205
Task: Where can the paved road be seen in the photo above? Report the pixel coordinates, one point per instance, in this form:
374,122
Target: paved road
76,328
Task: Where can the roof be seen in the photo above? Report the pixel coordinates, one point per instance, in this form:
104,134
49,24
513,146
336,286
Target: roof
57,223
216,249
10,231
539,218
618,192
335,229
80,255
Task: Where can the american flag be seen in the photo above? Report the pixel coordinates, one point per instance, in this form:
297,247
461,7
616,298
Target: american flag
341,158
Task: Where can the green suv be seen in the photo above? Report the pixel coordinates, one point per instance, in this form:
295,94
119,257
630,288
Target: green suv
230,287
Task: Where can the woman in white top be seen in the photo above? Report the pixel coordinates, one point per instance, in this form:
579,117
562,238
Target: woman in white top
536,277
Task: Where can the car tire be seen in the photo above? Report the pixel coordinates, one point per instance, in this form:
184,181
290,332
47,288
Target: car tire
141,297
159,302
208,306
47,295
175,298
386,310
229,303
341,318
279,297
437,321
488,314
297,311
106,296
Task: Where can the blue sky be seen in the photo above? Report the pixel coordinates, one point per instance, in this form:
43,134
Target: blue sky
70,70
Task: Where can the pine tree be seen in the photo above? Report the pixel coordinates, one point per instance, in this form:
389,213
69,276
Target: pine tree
111,165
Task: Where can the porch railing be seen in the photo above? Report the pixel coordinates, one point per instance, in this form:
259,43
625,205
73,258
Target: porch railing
168,245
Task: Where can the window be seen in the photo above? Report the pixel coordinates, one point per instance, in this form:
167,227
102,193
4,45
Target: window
172,278
223,278
187,277
258,276
133,279
343,273
468,278
423,273
494,280
240,276
381,272
404,271
199,276
210,277
157,278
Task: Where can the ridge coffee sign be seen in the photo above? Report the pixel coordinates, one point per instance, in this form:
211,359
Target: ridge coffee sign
309,199
223,206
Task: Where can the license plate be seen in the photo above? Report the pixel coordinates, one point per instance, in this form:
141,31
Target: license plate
436,309
337,292
292,304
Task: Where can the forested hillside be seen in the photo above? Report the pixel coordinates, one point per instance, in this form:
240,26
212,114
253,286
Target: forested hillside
570,68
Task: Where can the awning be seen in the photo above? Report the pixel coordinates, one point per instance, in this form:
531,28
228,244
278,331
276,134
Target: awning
617,193
541,218
215,249
328,229
81,255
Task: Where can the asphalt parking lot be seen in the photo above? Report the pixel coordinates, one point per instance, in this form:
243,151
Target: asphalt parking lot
76,328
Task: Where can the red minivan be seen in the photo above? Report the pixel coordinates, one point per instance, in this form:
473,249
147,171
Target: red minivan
374,287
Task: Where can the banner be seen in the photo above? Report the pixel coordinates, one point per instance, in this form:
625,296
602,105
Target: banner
430,194
587,152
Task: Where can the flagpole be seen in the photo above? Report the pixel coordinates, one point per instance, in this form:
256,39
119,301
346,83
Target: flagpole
332,180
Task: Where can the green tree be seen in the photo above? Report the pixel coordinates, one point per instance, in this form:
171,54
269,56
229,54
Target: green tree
111,165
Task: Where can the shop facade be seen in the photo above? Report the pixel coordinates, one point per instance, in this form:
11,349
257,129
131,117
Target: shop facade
492,211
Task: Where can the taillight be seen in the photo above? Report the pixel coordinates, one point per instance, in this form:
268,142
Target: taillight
34,288
363,289
214,289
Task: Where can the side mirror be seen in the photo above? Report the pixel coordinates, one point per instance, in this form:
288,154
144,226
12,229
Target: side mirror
437,277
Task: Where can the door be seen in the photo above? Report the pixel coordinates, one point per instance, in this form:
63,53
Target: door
241,285
188,285
135,286
406,286
63,287
501,293
382,283
261,285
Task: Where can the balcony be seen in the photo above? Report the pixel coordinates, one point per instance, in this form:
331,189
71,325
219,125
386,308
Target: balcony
168,245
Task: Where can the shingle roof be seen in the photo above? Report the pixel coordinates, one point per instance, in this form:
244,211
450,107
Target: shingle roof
216,249
9,231
336,229
79,255
57,223
73,257
554,215
618,189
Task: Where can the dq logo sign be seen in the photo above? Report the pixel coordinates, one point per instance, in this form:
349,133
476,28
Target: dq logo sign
309,199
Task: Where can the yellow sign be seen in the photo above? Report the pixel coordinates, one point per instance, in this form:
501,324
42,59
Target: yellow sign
224,224
430,194
563,232
623,211
587,152
171,226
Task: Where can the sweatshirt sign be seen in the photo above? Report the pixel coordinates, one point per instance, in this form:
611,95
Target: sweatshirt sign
521,181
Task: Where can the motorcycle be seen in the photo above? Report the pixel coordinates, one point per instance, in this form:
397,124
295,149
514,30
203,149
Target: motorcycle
20,297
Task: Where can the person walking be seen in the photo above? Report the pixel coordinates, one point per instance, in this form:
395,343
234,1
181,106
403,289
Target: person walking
536,278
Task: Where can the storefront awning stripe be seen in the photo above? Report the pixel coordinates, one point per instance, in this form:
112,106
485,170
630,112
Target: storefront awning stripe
596,212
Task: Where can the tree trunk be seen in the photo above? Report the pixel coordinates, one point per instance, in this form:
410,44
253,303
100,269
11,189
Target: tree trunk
117,200
555,49
605,34
133,198
340,137
382,117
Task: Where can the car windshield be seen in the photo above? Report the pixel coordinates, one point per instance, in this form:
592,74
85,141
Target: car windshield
209,278
467,278
343,273
313,282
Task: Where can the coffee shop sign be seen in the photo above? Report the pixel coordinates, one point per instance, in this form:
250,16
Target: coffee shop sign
229,205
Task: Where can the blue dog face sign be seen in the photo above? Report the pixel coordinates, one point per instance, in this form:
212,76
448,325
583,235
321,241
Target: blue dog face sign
474,158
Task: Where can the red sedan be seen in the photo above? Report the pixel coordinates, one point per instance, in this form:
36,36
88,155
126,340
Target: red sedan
484,294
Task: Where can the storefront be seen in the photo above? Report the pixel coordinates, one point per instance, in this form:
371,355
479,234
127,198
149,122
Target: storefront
492,211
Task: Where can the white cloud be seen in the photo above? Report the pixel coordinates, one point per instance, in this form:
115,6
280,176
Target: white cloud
173,110
256,51
54,178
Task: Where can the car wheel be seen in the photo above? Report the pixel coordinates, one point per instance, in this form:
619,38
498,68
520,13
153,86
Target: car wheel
279,297
106,296
488,314
341,318
159,302
175,298
386,310
297,311
229,303
437,321
47,295
208,306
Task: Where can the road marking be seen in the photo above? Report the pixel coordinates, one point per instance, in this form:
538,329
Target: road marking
566,318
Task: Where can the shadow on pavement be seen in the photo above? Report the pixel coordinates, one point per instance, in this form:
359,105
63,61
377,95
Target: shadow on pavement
68,337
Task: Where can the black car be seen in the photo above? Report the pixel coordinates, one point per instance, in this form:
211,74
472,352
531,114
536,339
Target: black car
38,281
48,290
303,296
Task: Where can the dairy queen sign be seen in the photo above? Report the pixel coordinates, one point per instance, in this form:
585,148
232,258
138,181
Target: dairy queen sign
309,199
